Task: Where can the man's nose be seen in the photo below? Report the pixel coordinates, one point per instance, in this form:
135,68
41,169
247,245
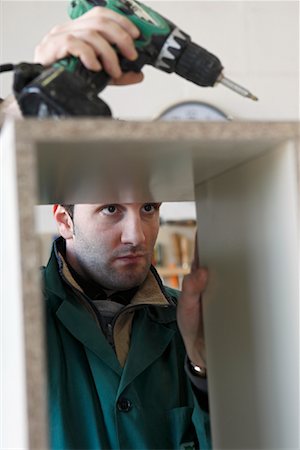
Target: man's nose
133,232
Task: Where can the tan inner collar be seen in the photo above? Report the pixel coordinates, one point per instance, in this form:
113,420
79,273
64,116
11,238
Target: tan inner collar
149,293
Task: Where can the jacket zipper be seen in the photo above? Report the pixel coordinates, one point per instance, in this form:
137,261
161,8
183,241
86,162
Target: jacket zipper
129,308
95,313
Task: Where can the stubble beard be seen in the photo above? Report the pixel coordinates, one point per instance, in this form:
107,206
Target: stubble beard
111,273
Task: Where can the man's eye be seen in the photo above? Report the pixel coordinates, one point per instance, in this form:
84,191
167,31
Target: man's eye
150,207
109,210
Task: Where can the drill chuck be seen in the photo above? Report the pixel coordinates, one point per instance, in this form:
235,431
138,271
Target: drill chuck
198,65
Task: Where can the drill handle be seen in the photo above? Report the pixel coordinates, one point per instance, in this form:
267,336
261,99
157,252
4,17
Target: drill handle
95,81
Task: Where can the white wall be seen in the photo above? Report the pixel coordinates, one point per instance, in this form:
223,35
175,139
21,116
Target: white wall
257,42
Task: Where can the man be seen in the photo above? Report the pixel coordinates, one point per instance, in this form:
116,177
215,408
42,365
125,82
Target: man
126,361
121,368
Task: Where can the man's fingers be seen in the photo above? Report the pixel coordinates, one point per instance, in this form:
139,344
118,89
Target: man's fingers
89,47
195,283
128,78
109,29
103,51
60,47
92,49
115,35
97,19
95,38
115,28
122,40
123,22
196,261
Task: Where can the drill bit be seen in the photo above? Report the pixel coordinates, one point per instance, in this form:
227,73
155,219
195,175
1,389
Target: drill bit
236,87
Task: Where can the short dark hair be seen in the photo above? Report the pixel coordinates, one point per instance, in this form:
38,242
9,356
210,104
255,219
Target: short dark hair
69,209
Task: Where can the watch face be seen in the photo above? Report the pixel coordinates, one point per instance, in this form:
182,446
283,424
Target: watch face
193,110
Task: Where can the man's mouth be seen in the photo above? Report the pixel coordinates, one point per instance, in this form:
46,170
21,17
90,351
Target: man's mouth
131,257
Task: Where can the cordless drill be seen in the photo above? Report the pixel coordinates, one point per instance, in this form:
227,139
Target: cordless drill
67,88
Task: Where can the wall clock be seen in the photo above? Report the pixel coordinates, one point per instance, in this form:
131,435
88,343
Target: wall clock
193,110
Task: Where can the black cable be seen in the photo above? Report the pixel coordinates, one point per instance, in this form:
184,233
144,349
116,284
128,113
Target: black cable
6,67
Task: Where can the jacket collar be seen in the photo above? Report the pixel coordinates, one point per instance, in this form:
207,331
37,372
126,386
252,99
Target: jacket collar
71,309
59,281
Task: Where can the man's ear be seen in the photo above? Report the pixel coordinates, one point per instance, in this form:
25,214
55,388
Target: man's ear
64,222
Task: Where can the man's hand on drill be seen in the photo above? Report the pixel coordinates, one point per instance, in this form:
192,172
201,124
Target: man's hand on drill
92,38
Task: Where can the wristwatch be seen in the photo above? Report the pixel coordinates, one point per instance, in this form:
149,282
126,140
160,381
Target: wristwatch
196,370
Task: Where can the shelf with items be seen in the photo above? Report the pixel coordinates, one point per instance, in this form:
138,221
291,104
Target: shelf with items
173,253
172,271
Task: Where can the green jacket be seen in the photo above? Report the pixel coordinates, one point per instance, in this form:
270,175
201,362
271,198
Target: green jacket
94,402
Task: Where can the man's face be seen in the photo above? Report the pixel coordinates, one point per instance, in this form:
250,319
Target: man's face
113,243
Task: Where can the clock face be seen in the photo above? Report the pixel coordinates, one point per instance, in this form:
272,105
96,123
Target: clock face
193,110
